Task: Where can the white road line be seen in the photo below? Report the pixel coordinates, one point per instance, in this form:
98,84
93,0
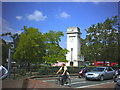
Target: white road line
48,80
79,78
71,80
78,82
92,85
44,81
52,77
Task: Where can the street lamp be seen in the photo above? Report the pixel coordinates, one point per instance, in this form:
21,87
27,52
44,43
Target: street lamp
9,61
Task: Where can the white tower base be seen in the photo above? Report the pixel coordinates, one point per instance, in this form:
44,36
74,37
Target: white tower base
75,63
74,47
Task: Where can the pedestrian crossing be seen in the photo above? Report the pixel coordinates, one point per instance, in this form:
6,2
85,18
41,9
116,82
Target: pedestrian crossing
92,85
81,82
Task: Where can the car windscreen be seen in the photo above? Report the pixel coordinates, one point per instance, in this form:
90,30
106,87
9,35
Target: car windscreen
98,69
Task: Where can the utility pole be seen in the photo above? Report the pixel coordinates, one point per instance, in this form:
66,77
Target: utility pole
119,34
9,63
10,60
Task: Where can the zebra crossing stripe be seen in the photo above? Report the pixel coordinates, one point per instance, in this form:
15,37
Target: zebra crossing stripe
78,82
92,85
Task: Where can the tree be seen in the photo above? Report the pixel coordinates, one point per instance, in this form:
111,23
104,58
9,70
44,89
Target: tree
15,38
5,48
53,50
102,40
30,47
8,45
34,47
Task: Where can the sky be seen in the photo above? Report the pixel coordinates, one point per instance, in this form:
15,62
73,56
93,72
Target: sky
57,16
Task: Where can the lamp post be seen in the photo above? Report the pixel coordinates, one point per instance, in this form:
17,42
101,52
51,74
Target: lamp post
10,60
119,34
9,63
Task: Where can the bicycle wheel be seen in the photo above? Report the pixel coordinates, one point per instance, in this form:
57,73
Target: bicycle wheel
68,81
58,81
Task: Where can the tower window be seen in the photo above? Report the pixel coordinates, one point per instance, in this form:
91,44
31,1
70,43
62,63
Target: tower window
71,36
71,49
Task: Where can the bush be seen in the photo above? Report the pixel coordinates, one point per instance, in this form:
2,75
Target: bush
50,70
46,70
21,72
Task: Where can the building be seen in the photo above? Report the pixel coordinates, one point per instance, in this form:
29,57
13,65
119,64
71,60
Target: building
74,47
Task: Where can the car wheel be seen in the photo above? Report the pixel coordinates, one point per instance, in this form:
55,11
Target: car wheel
101,78
117,87
86,78
79,76
113,77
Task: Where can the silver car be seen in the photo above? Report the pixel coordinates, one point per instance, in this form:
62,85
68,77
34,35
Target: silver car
100,73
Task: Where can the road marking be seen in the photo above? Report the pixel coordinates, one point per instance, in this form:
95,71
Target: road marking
92,85
51,77
48,80
79,78
44,81
78,82
72,80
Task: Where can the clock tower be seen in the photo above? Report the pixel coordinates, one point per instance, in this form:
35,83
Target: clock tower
73,46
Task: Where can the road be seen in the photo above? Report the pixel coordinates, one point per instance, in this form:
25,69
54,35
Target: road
80,82
50,82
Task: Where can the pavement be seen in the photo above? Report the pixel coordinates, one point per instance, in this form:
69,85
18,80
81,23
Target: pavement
14,83
49,82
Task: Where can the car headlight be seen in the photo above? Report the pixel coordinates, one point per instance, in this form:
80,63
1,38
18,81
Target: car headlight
118,76
85,74
96,75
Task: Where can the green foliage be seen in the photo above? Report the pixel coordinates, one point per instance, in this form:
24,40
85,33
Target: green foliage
21,72
5,48
9,45
15,38
53,51
45,70
101,42
31,46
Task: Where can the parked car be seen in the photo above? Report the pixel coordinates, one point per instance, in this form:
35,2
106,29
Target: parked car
100,73
83,71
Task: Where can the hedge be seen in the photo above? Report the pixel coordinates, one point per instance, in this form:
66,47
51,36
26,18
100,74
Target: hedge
50,70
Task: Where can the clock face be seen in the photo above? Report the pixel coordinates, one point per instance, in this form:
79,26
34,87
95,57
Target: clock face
71,39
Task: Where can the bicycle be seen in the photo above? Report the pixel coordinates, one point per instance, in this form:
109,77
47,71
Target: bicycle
66,82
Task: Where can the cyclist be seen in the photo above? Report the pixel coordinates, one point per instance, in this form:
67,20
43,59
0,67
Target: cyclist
65,74
117,79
